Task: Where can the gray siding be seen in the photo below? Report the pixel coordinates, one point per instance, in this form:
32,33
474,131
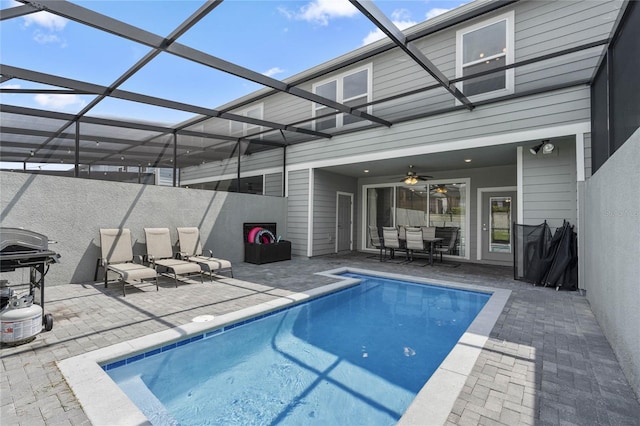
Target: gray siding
534,112
587,155
249,164
549,186
298,211
326,185
273,185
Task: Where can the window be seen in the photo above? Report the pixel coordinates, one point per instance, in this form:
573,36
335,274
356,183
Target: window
483,47
350,89
238,128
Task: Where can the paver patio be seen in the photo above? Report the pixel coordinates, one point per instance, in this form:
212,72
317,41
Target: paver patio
547,361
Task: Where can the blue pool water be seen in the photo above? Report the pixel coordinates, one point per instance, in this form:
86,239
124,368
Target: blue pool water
358,356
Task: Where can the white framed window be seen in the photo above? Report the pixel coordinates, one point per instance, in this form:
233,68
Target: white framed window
482,47
351,88
238,128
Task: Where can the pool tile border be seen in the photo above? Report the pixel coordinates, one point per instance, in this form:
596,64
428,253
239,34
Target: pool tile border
215,332
98,394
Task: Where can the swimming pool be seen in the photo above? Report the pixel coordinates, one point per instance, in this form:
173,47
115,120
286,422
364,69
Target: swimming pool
360,357
356,356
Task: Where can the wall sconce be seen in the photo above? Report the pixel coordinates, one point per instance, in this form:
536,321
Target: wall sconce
546,147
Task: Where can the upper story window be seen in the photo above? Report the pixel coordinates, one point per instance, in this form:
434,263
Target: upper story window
351,89
483,47
238,128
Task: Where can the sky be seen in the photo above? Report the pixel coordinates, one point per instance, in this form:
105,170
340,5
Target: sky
278,38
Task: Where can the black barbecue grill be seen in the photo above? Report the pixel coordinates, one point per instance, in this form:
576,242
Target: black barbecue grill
20,248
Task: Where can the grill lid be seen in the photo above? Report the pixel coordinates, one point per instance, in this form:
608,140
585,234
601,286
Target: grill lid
16,239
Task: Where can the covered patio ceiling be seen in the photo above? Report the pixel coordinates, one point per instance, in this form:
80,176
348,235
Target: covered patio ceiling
89,137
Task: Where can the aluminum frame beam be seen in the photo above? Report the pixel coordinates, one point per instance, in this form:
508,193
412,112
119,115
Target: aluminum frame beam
90,88
381,21
121,29
16,12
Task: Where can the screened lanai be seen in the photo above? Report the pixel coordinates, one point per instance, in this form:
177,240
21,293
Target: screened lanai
169,104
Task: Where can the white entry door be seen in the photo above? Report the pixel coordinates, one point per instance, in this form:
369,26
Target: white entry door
344,222
498,213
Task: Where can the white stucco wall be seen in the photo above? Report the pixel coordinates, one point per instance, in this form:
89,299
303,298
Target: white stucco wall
612,253
71,211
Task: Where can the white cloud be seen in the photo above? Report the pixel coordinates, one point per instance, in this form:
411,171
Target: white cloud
273,71
47,20
321,11
435,12
11,86
401,18
59,102
46,38
46,25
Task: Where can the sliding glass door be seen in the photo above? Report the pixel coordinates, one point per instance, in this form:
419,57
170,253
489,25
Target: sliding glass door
436,203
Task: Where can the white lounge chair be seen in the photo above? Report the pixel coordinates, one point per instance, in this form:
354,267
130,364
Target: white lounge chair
191,250
117,256
160,254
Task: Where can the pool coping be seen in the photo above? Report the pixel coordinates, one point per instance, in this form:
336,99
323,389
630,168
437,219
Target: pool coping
98,394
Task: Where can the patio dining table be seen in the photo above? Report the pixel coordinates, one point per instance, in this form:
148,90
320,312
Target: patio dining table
431,241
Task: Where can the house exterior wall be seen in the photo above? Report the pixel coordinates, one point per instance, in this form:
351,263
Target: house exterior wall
541,27
270,161
536,112
549,188
587,155
298,211
273,185
612,270
326,186
549,191
71,211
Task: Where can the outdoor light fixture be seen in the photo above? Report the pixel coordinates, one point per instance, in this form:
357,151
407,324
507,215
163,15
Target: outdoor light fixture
536,148
546,147
411,180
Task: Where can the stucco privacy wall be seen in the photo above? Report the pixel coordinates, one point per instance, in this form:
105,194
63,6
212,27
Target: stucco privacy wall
71,211
612,240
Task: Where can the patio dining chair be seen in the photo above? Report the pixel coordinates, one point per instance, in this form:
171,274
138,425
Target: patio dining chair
191,251
414,242
160,254
375,241
450,237
117,256
391,240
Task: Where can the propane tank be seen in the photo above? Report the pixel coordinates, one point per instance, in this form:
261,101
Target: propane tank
20,320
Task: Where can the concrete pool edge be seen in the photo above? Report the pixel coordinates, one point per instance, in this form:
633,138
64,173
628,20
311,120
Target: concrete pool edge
105,403
101,398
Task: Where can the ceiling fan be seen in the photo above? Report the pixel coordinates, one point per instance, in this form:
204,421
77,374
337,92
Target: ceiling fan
412,177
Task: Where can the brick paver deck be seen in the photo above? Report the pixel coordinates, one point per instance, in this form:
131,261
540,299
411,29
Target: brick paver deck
547,361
